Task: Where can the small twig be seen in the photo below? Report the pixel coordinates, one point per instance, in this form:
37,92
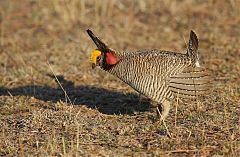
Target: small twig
33,81
9,93
176,109
64,146
65,92
164,123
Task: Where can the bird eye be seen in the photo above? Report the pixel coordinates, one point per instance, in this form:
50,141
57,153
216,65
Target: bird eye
98,58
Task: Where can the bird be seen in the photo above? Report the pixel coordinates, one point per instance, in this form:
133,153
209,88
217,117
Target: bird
159,75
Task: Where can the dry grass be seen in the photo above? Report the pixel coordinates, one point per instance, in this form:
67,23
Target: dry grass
104,117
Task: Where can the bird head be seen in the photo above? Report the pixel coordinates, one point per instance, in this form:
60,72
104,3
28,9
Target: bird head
102,56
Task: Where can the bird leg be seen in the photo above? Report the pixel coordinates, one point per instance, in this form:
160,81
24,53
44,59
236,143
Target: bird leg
166,105
164,109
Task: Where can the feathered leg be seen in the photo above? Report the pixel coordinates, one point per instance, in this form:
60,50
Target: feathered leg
165,109
162,109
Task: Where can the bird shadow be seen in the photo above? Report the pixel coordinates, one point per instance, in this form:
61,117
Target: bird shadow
104,100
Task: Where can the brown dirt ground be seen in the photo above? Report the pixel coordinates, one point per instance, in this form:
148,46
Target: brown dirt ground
96,114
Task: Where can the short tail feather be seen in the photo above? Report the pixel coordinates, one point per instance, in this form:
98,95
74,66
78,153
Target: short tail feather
192,50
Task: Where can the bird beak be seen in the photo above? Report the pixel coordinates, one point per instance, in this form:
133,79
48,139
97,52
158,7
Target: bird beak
93,65
101,46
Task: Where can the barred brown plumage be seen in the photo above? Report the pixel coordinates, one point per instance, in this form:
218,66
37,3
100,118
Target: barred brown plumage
158,75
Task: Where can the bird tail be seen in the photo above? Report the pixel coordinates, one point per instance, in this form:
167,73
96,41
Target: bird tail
192,50
192,82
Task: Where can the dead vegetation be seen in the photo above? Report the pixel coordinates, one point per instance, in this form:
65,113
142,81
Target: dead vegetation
96,114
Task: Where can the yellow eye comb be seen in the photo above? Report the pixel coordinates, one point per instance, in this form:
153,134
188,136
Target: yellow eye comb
94,56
